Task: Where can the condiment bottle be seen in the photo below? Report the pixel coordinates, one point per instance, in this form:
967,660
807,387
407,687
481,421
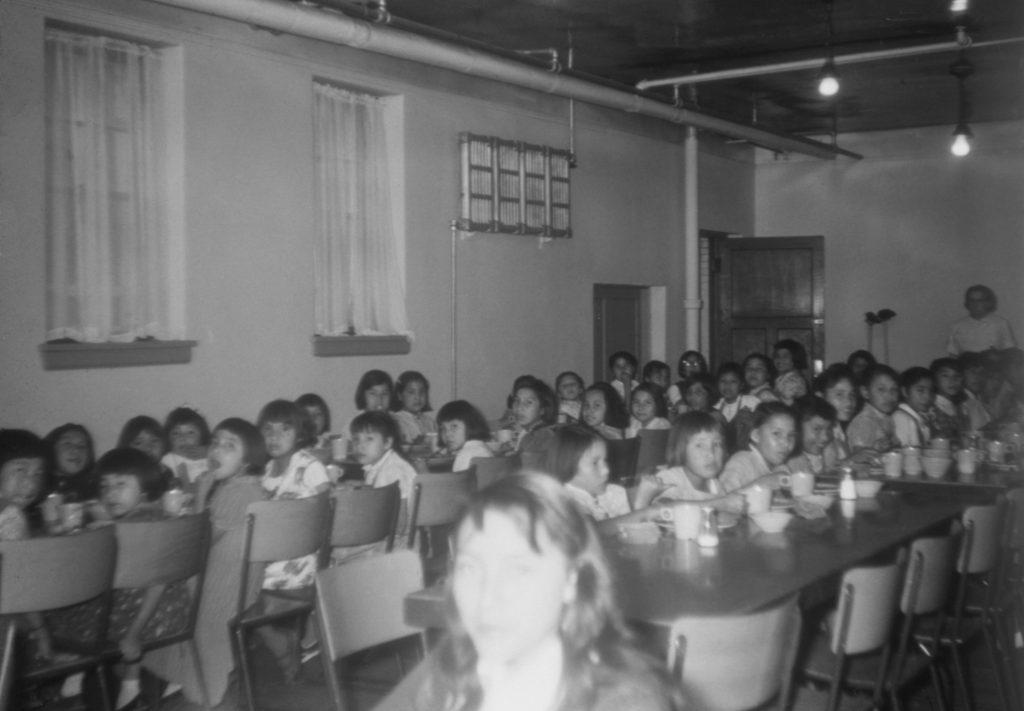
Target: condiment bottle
847,486
708,536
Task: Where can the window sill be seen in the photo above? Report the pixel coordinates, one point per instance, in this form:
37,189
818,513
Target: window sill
70,356
334,346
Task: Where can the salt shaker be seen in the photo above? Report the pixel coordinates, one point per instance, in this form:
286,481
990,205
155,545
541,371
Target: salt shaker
708,536
847,486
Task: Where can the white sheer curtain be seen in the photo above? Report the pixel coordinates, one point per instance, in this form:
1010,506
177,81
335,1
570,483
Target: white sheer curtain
360,287
113,273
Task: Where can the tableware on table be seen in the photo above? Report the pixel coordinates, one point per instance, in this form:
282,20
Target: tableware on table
848,508
505,436
759,498
912,461
644,533
772,521
937,453
847,485
936,467
867,488
687,519
72,516
799,483
966,461
727,520
334,473
999,451
173,502
892,462
51,512
339,448
431,440
708,536
939,443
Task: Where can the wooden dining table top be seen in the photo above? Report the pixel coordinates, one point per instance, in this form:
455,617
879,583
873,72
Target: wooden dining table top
660,582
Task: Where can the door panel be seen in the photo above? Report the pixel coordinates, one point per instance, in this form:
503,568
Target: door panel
618,323
769,288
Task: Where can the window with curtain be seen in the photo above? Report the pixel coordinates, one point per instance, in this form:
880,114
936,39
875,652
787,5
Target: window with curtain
358,258
115,269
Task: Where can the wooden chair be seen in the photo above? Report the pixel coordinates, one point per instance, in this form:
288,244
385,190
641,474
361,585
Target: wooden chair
491,469
42,574
162,552
7,632
653,450
736,662
361,605
275,531
437,499
622,458
365,515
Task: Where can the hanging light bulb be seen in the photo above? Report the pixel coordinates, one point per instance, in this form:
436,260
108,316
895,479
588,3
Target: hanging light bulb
961,140
828,79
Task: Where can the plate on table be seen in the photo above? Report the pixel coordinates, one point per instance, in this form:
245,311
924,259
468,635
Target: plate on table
727,520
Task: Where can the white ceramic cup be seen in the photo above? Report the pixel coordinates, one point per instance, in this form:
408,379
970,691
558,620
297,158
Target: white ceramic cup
687,518
966,461
996,450
431,440
759,498
939,443
72,515
505,436
893,463
912,461
799,483
339,448
174,501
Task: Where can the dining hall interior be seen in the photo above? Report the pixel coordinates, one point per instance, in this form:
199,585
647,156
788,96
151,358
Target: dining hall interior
643,190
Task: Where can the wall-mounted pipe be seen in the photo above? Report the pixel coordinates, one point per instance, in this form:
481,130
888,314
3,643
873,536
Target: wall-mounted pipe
801,64
314,23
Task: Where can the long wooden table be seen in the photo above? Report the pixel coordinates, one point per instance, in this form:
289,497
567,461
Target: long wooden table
749,569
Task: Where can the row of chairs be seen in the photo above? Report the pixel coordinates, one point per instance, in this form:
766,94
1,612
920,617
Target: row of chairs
642,454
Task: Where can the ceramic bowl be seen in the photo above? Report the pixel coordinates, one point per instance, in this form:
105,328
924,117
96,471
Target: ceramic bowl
937,453
868,488
772,521
936,467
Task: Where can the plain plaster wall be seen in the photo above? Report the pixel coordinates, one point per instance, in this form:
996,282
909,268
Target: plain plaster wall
909,227
523,306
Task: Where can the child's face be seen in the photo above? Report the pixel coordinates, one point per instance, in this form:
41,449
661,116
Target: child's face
569,388
791,388
977,303
659,376
696,397
705,454
883,393
775,439
948,382
318,417
729,386
690,365
414,397
121,493
974,379
816,433
756,373
623,370
920,396
183,437
843,397
279,438
783,361
378,397
526,406
453,432
72,453
370,446
592,469
21,480
643,406
594,408
150,443
227,454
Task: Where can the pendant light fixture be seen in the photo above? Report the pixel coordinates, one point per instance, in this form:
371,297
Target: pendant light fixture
828,78
961,68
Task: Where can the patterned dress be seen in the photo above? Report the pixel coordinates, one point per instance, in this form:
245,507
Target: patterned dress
305,476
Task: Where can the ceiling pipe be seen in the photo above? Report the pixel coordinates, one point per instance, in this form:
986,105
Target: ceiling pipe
800,64
314,23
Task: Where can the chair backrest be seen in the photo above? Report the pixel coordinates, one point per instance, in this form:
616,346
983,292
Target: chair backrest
283,529
982,529
365,515
438,499
929,575
491,469
56,571
362,603
158,552
7,632
653,450
622,456
867,604
1015,518
735,662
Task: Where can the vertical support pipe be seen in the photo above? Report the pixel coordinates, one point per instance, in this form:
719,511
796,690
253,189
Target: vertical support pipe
691,243
454,311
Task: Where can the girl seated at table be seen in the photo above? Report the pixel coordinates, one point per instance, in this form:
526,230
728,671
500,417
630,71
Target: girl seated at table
147,435
948,420
871,430
690,363
817,423
790,386
912,419
72,456
464,433
188,436
735,407
771,441
373,393
698,394
569,387
696,453
759,374
622,367
858,362
647,407
374,436
788,356
320,414
533,621
603,411
411,407
536,412
838,387
579,459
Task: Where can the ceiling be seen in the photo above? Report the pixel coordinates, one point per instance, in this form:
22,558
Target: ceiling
627,41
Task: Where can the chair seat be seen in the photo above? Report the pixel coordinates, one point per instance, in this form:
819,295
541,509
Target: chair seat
971,628
861,670
285,604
